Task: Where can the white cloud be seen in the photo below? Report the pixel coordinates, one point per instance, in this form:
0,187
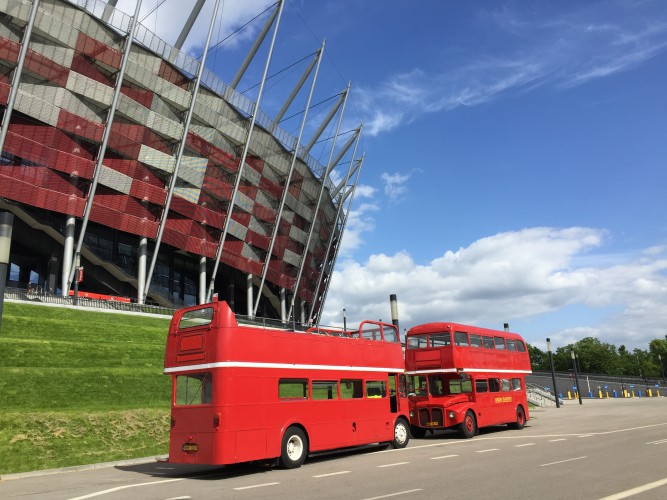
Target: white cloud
513,275
591,42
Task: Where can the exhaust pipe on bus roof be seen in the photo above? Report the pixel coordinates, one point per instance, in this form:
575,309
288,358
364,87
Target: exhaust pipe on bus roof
506,326
394,310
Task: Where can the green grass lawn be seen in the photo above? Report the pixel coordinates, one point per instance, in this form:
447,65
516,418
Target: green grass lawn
80,387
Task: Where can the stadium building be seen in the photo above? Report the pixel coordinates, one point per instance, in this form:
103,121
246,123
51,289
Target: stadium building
128,163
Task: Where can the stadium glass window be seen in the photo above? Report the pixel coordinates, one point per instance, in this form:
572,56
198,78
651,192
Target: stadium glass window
505,384
516,384
376,389
290,388
351,389
417,342
511,346
481,385
440,339
324,389
488,343
499,342
461,339
475,340
193,389
494,385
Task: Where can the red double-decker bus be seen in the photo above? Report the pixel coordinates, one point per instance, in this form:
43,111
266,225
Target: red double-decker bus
465,377
244,392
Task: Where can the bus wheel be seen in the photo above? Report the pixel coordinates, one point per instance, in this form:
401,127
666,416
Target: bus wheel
520,419
401,434
468,427
417,432
294,449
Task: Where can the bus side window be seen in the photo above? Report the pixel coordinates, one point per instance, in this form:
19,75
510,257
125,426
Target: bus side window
505,384
351,389
500,342
289,388
520,347
494,385
488,343
461,339
376,389
475,340
324,389
511,346
516,384
481,385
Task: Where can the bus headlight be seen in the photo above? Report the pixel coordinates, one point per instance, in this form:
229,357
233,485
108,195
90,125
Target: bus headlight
412,414
451,415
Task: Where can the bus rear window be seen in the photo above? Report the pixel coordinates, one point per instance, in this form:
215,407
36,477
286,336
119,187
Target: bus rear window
198,317
417,342
193,389
440,339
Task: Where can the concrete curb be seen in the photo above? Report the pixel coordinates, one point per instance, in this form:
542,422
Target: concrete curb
77,468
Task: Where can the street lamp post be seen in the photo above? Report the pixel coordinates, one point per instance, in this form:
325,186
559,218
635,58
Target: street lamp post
344,320
6,223
662,368
576,377
553,373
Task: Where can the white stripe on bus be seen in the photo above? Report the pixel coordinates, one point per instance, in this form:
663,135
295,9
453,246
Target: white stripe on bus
289,366
465,370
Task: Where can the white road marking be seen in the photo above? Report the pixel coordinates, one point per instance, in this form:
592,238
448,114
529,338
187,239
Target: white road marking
661,441
522,445
563,461
254,486
556,440
391,465
118,488
585,435
637,490
395,494
490,449
333,473
444,456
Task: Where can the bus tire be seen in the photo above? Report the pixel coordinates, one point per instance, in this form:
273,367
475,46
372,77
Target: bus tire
468,428
294,448
417,432
520,419
401,434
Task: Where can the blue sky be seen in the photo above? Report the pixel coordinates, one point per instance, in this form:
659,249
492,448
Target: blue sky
515,156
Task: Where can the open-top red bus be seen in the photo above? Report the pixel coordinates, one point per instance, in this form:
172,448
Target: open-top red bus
250,392
465,377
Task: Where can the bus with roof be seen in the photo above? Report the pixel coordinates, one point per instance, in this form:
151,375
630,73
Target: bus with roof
246,389
465,377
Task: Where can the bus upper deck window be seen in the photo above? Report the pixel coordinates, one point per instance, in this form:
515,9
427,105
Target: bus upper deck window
417,342
198,317
461,339
441,339
500,342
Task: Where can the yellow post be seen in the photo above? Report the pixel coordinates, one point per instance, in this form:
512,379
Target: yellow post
569,396
649,393
600,394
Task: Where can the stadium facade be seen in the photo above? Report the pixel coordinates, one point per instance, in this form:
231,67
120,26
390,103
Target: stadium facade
188,190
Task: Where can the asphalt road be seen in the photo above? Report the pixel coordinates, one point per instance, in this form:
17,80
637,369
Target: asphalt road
609,449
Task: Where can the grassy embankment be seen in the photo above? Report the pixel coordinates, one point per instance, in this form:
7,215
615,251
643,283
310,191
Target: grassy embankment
80,387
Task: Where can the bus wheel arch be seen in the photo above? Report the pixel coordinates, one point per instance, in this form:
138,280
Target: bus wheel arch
401,433
417,432
294,447
520,421
468,427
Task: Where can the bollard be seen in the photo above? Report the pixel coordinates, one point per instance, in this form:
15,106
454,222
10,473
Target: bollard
650,395
600,394
615,393
590,394
568,395
607,394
